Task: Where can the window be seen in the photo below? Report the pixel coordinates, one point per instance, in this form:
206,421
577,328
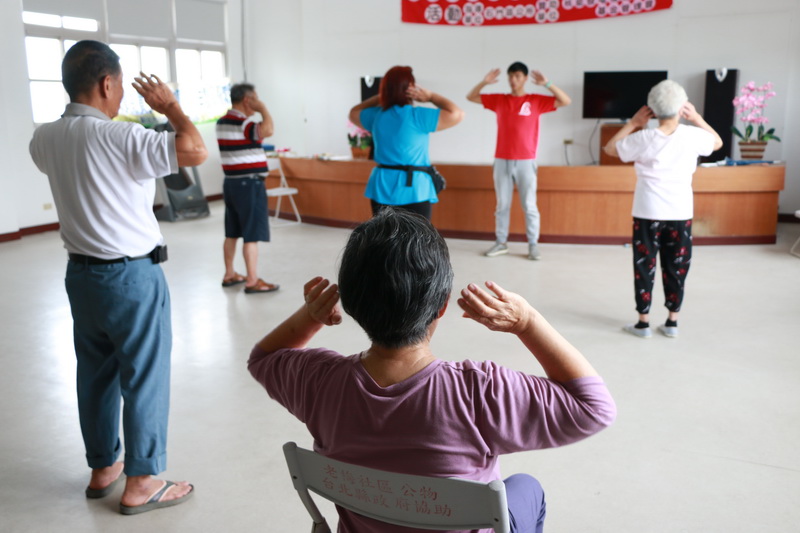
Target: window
48,100
41,19
202,84
155,60
56,21
49,37
192,60
44,71
133,60
187,64
212,66
44,58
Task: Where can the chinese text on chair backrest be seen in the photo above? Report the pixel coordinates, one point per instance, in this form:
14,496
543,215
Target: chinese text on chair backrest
363,490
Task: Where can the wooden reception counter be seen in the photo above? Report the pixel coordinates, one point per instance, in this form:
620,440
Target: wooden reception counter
581,204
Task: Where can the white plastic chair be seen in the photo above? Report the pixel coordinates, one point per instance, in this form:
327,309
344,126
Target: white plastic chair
283,189
399,499
794,251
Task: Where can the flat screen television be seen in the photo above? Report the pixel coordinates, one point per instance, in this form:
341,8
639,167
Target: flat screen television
617,94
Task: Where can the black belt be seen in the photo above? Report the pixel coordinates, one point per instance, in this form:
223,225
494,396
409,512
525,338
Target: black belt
158,255
439,183
246,177
409,169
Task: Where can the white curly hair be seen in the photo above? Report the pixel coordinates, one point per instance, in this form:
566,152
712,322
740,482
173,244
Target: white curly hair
666,99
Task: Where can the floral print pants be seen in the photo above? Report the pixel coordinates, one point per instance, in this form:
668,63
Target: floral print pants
670,239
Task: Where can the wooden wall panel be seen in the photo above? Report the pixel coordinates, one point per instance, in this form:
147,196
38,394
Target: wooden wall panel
587,214
590,204
729,214
747,178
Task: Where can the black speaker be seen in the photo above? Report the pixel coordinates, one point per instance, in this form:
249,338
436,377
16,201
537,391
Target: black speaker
718,108
370,86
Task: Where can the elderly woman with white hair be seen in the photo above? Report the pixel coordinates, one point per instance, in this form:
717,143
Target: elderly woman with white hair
665,159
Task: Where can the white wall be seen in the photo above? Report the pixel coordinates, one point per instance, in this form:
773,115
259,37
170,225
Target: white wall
306,57
23,189
311,53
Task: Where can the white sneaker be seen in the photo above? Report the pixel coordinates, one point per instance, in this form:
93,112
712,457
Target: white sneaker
499,248
643,333
668,331
533,252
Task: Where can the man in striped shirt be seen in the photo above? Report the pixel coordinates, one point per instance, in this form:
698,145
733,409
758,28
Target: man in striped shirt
245,165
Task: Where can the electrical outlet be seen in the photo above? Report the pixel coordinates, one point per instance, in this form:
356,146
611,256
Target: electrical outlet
568,141
47,207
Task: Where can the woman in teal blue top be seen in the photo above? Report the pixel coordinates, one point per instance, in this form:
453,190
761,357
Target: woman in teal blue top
400,134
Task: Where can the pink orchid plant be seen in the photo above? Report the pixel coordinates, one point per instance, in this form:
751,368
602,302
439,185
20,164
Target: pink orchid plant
358,137
750,106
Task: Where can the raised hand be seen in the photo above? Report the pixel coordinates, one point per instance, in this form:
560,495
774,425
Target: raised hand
503,311
689,112
538,78
642,116
255,103
322,299
418,94
492,76
155,92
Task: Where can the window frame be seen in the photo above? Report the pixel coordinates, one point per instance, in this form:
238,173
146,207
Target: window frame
103,34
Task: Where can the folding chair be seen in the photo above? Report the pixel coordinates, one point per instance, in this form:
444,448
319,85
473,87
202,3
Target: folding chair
399,499
283,189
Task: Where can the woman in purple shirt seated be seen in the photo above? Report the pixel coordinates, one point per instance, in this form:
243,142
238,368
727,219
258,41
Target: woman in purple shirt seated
395,406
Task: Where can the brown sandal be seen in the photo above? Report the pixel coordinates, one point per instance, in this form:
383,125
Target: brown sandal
261,286
235,280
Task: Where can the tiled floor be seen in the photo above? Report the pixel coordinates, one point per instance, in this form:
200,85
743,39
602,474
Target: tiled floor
706,439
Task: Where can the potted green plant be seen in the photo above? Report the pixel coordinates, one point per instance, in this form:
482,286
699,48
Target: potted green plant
750,106
360,141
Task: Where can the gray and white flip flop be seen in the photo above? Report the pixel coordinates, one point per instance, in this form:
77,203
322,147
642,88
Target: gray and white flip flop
154,502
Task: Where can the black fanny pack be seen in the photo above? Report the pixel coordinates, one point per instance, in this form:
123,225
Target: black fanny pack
439,183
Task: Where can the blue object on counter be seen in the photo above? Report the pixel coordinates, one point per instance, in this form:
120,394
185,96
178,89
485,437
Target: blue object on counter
742,162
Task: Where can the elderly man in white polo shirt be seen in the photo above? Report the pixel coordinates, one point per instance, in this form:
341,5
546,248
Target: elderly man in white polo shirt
102,175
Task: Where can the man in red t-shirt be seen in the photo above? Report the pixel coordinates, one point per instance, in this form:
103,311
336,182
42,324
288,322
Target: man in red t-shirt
517,139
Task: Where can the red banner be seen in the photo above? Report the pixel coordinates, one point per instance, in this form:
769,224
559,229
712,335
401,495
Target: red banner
502,12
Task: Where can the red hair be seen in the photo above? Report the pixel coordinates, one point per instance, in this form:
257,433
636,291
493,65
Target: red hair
394,85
